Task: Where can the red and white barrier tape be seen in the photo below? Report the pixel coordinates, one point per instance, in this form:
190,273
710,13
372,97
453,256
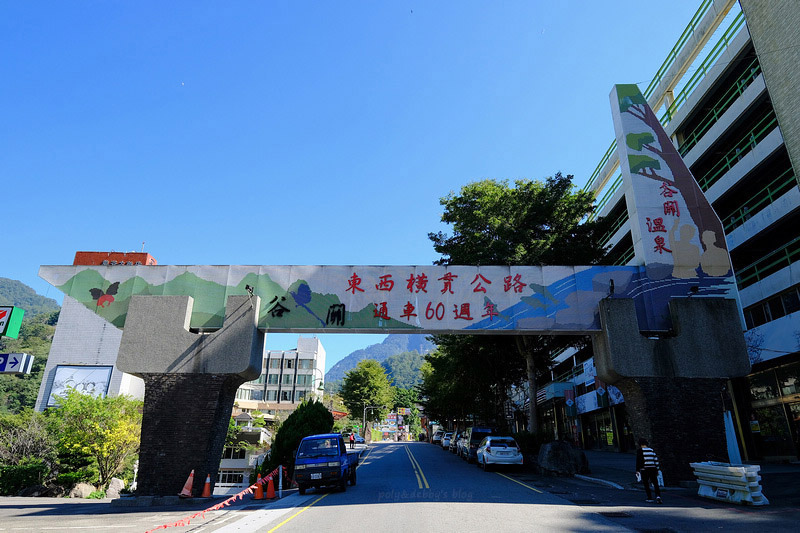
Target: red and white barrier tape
202,514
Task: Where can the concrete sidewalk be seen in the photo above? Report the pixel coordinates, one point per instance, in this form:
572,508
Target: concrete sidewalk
781,482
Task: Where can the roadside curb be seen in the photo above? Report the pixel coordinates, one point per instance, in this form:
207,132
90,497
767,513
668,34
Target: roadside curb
600,481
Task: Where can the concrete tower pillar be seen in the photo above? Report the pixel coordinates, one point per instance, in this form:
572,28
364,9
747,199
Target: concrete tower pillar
190,385
673,382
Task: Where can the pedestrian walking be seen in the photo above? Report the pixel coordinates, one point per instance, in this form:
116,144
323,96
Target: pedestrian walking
352,440
647,469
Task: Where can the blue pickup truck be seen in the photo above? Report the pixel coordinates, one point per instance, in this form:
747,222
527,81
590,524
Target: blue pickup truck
323,460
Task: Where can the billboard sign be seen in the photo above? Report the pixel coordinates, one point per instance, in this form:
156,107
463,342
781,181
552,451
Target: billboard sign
92,380
10,321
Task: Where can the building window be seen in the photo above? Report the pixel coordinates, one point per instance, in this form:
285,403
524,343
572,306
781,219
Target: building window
274,363
304,379
272,395
287,379
286,396
273,379
299,395
789,379
289,363
233,453
763,386
257,395
232,477
305,364
243,394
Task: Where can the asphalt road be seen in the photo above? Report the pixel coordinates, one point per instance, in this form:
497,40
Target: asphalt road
416,487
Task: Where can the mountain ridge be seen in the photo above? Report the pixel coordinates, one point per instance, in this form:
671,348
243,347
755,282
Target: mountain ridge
16,293
394,344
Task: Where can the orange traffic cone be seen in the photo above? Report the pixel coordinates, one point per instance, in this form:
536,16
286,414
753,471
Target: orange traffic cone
259,489
187,487
207,487
270,490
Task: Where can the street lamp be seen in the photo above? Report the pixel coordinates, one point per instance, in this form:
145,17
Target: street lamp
321,387
365,415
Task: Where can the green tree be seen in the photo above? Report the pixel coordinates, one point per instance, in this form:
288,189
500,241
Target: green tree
26,436
310,418
367,385
108,429
470,375
529,223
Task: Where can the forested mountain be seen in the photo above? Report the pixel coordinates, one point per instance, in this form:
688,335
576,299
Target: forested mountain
13,292
403,369
35,337
392,345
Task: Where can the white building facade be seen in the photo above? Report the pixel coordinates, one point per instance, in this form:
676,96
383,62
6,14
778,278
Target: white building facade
727,96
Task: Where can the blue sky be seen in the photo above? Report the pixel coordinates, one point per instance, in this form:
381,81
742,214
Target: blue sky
295,132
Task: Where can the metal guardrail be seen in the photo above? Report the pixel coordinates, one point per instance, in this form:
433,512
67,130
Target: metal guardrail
774,190
747,143
673,54
703,68
626,256
769,264
607,196
621,219
725,102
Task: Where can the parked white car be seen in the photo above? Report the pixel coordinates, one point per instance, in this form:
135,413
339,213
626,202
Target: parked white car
496,450
446,440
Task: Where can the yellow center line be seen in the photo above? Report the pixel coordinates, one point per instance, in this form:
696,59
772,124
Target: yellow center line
414,468
417,467
361,461
520,483
297,513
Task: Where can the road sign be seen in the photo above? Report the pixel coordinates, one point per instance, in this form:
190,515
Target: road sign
10,321
15,363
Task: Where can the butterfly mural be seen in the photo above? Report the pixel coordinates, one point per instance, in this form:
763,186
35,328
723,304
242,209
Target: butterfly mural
105,297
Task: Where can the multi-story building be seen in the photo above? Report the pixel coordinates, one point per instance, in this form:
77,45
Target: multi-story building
287,378
727,96
238,462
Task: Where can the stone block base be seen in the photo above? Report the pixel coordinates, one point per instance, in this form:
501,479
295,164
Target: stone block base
680,417
184,424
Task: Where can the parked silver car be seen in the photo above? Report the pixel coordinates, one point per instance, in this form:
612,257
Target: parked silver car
497,450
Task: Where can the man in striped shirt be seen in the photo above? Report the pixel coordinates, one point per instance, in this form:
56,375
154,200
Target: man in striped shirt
647,467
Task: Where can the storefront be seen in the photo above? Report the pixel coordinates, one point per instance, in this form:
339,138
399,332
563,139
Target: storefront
773,421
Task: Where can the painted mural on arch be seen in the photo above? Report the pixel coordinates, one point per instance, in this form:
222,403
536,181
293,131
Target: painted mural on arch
673,226
379,299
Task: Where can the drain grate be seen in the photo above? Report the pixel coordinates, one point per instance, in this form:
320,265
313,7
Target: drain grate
616,514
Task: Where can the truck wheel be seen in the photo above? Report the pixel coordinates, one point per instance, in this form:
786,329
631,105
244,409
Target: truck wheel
353,478
301,489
